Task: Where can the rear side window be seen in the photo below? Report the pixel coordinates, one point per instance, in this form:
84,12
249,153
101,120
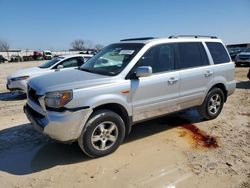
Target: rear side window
218,52
191,54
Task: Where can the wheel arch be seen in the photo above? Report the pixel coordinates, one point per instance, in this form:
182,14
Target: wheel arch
222,87
120,110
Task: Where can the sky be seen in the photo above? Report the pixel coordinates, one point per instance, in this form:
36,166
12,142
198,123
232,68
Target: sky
54,24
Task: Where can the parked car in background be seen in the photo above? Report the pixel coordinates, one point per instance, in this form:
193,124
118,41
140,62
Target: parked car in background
129,82
234,52
38,55
15,58
18,80
28,58
243,58
47,55
2,59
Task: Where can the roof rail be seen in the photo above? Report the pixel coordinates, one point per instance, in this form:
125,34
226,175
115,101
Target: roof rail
143,38
194,36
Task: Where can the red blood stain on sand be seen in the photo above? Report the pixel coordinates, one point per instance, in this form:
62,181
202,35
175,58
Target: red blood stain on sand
199,137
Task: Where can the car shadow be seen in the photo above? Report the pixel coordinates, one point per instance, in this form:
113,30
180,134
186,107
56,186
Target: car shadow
12,96
25,151
164,123
243,85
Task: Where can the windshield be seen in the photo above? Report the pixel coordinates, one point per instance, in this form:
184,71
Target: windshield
112,59
51,62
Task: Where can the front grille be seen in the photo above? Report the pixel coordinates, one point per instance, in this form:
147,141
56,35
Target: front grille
244,57
35,118
32,95
34,113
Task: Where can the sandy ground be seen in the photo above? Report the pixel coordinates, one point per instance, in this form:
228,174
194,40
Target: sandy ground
158,153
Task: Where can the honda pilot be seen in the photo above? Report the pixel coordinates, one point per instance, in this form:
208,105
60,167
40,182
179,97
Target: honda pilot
128,82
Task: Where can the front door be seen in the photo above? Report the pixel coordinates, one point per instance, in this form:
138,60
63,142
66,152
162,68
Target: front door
157,94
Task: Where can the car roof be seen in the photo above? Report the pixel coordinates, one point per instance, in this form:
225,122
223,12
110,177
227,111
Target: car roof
172,39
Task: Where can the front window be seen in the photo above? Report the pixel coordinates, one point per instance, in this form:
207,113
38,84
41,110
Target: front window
112,59
51,62
160,58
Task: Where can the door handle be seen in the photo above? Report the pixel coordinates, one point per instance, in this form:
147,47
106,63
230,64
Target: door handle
208,74
172,80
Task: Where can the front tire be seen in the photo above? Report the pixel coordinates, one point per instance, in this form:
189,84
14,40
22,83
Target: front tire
212,104
104,132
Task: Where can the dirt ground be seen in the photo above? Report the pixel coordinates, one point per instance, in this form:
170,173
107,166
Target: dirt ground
165,152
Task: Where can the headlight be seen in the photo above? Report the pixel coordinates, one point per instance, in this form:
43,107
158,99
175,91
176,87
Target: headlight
58,99
19,78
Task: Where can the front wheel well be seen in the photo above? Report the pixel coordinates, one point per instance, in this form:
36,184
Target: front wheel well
223,88
120,110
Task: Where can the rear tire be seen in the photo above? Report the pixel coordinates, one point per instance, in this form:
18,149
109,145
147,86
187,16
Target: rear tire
212,104
104,132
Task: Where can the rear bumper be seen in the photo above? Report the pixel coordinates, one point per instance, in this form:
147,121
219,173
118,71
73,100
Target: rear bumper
62,126
231,87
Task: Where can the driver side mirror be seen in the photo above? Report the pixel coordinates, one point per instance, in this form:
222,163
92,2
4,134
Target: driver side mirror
59,67
143,71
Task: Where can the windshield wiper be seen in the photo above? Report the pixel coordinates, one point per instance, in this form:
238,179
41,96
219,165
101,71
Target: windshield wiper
42,67
95,71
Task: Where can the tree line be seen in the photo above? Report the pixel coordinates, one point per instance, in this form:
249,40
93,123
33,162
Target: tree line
80,45
4,46
77,45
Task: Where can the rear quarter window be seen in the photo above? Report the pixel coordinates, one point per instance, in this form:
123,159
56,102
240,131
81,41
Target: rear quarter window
218,52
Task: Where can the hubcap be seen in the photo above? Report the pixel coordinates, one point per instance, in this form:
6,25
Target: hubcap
214,104
104,136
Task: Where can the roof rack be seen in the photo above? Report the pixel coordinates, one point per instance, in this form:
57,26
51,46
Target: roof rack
194,36
143,38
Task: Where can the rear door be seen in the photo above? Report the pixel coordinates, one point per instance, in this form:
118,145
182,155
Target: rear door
196,73
157,94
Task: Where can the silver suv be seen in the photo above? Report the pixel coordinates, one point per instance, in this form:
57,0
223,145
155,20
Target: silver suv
128,82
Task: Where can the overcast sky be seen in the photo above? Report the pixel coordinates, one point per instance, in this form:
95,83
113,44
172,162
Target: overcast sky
54,24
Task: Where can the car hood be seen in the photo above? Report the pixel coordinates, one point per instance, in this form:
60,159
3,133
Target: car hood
27,72
66,80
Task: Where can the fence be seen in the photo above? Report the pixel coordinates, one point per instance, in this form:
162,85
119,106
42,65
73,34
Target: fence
30,52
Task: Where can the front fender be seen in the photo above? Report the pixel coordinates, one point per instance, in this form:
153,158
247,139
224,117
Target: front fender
110,98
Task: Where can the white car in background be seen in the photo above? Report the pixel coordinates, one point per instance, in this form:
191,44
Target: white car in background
17,81
47,55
